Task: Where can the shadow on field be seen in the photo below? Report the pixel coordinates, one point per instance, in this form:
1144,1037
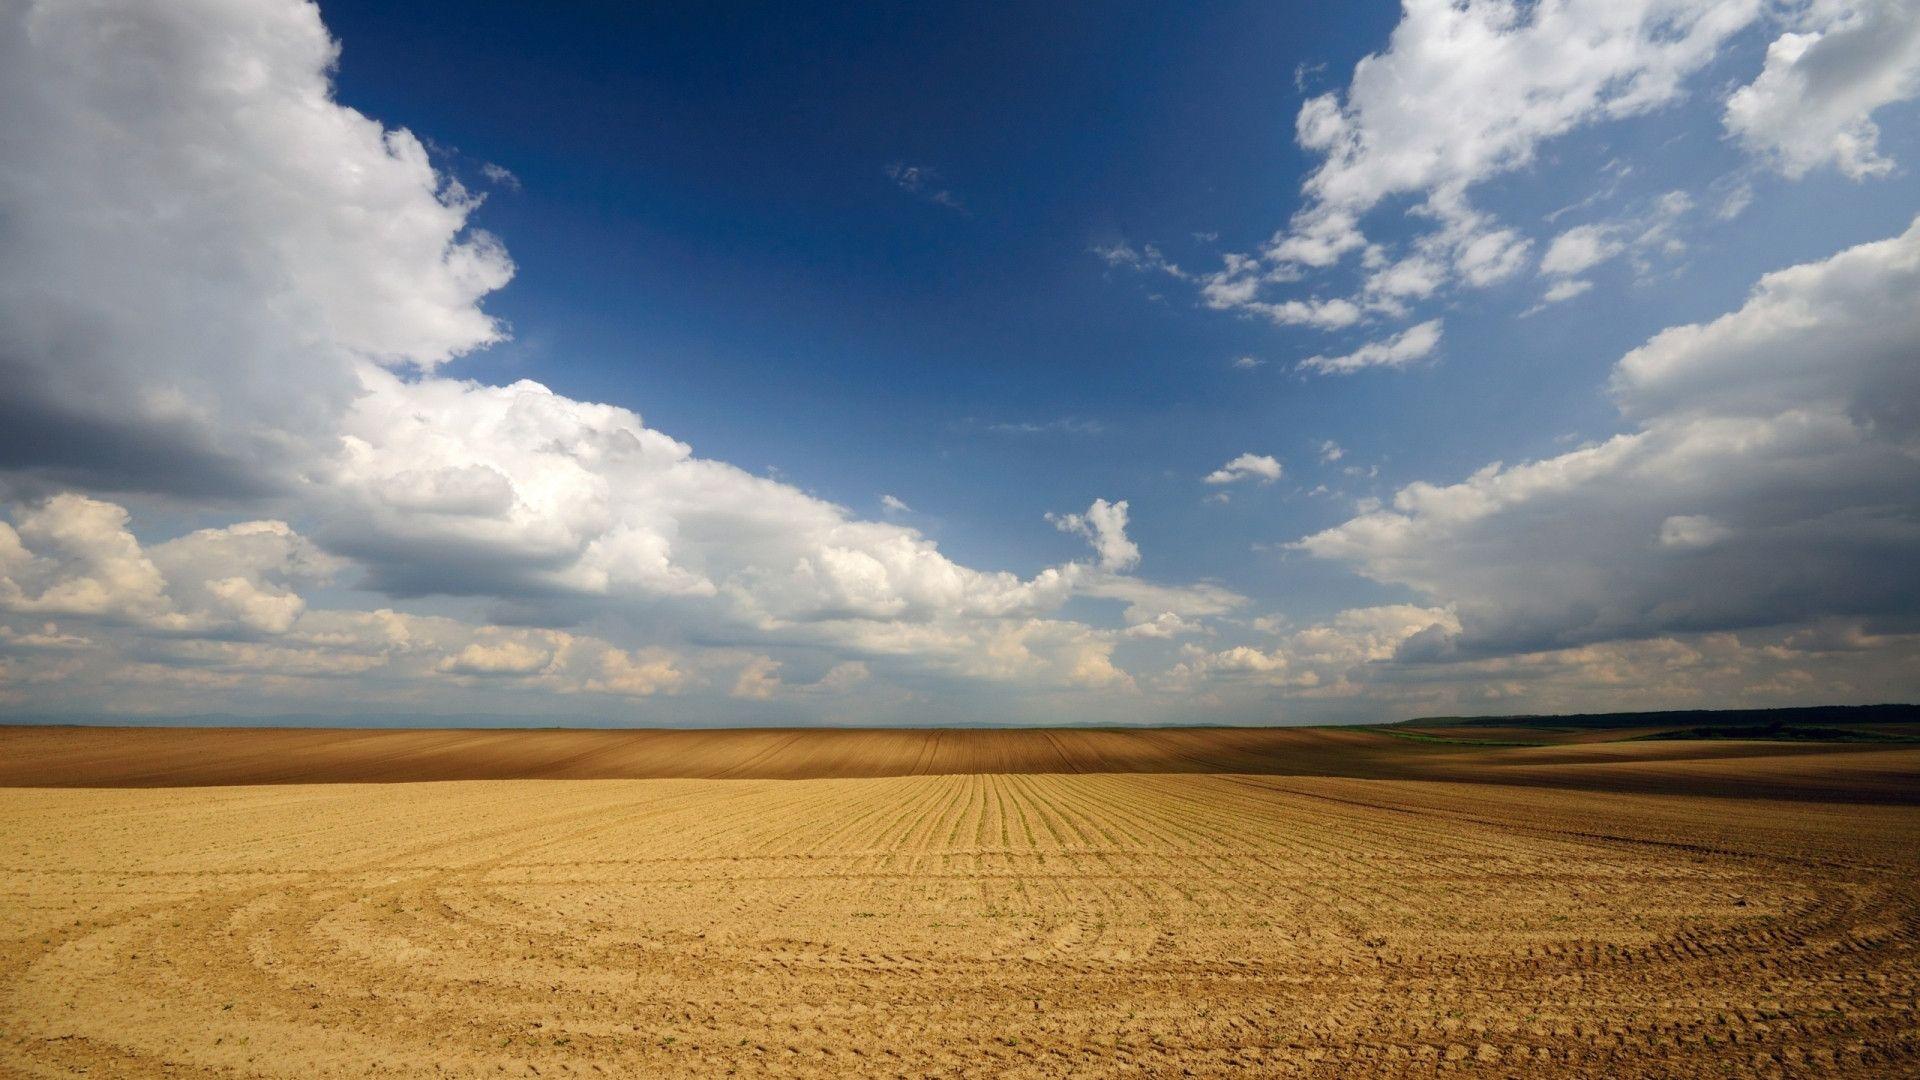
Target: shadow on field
1678,758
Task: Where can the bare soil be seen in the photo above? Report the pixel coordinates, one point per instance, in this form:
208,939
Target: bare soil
1593,760
999,921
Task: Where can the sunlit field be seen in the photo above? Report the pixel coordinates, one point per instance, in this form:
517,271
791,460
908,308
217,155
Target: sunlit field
1581,911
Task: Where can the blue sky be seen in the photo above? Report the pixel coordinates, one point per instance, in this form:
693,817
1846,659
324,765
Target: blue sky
996,265
738,250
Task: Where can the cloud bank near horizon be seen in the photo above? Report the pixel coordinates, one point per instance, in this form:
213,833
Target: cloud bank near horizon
232,310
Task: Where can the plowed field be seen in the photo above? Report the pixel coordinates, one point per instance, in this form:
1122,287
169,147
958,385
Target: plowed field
1001,924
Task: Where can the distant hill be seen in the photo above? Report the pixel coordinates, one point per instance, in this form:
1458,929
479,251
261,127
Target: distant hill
1689,718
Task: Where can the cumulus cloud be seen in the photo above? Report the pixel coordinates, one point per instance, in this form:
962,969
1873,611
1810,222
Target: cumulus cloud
592,503
637,673
1813,103
841,677
1400,660
1104,525
1396,351
759,679
1324,658
505,657
225,602
1580,249
219,280
1465,92
1415,277
75,556
201,243
1261,467
1324,314
1165,625
1771,481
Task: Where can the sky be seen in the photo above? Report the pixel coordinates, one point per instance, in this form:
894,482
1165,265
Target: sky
1131,363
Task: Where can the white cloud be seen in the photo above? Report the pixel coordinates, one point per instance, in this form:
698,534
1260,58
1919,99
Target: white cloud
1580,249
595,504
1356,673
218,279
503,657
1648,233
639,673
1565,290
895,504
1772,480
1164,626
1413,278
1468,90
500,175
841,677
1065,425
1324,314
398,657
225,601
1125,256
1261,467
1147,600
201,242
1321,659
759,680
1836,336
1104,525
1735,202
1401,349
1813,103
75,556
1330,452
1483,254
924,181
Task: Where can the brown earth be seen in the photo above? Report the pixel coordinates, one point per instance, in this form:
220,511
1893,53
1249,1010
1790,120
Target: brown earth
1004,923
195,757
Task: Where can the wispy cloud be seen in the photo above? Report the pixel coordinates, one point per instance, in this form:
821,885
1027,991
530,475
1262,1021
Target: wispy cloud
500,176
1063,425
924,181
1261,467
1398,350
